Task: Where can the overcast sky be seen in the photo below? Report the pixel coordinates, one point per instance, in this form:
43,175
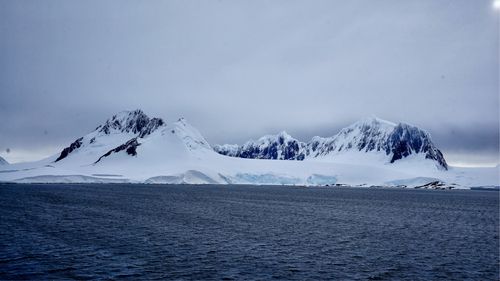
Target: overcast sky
241,69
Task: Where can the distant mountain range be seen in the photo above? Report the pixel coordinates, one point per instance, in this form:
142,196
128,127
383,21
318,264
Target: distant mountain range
372,135
134,148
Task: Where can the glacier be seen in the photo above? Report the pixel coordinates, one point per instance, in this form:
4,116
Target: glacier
130,147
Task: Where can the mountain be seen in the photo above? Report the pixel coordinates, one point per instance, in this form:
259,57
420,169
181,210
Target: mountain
278,147
131,147
130,133
3,161
120,132
391,141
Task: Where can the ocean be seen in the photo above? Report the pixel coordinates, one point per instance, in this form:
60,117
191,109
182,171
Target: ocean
214,232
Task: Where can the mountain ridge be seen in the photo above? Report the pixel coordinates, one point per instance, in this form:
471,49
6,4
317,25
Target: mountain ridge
130,147
369,135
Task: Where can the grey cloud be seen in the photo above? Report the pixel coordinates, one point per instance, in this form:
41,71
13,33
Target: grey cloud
241,69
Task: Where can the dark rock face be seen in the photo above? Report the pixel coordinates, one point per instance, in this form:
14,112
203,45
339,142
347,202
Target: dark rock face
130,147
369,140
66,151
406,140
131,122
150,127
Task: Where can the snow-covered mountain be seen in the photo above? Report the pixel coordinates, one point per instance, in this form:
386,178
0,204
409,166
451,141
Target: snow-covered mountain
390,142
130,133
130,147
3,161
279,147
119,133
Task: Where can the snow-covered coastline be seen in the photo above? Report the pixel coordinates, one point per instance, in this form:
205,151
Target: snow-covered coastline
130,147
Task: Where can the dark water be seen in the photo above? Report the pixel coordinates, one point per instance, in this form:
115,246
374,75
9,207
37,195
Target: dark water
237,232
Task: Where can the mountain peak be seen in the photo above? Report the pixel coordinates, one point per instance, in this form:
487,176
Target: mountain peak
374,121
135,121
407,139
373,134
190,135
281,146
284,134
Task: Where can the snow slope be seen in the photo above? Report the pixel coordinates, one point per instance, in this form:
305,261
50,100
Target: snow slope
133,148
3,161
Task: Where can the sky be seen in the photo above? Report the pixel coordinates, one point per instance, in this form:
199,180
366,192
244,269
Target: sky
241,69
